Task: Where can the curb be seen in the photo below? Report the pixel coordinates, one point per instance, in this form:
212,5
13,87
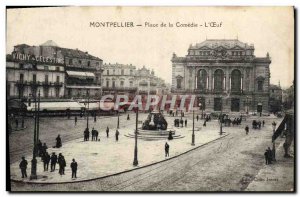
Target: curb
118,173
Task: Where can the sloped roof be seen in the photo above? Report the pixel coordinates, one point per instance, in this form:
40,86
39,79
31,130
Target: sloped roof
75,53
49,43
226,43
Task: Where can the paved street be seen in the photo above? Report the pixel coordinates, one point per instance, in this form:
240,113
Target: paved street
228,164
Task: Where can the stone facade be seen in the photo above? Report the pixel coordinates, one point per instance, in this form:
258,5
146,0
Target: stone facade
126,79
70,73
224,75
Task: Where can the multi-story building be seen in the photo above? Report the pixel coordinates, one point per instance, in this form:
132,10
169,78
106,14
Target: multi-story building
62,72
119,79
27,74
126,79
224,75
275,101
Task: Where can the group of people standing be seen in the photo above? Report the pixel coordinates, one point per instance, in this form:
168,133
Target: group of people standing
269,156
41,149
95,134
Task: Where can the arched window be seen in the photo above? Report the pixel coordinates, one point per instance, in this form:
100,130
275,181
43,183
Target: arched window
236,78
218,80
202,80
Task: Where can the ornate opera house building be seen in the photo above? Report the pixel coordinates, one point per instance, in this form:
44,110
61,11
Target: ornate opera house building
224,75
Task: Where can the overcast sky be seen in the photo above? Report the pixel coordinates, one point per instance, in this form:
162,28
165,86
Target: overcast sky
269,29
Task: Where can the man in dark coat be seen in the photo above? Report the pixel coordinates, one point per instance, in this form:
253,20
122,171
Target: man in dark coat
96,135
44,149
46,160
53,160
107,132
266,157
17,123
23,166
167,147
117,135
75,120
269,155
74,167
93,134
181,122
197,117
62,164
247,129
128,118
58,142
185,123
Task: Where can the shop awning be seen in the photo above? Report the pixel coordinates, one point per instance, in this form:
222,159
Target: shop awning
78,74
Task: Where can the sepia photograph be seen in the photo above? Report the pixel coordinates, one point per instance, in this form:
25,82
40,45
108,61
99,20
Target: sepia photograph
150,99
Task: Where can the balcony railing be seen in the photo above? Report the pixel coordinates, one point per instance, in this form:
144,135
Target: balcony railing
119,88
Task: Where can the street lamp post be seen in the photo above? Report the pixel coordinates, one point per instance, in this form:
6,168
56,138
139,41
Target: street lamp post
38,118
135,160
193,135
118,125
273,141
87,110
33,174
247,105
221,118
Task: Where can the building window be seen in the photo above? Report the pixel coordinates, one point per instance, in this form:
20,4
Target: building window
46,79
79,61
131,72
201,80
122,72
113,83
57,92
34,78
88,63
57,79
131,83
191,72
46,67
218,80
70,61
179,83
21,66
107,72
107,83
236,78
122,83
114,71
21,77
46,92
57,68
260,85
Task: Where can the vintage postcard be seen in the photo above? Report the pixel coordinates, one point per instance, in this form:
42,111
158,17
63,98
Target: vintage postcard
150,99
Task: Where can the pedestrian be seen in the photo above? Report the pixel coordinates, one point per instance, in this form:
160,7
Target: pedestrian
75,120
97,134
263,123
46,160
74,167
23,166
93,134
269,156
181,122
58,142
53,160
266,156
197,117
117,135
107,132
185,123
17,123
62,164
247,129
204,124
44,149
128,118
167,147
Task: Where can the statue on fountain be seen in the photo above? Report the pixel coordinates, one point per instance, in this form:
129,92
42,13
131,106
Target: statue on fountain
155,121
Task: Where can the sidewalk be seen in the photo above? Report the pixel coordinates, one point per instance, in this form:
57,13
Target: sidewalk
107,157
278,176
